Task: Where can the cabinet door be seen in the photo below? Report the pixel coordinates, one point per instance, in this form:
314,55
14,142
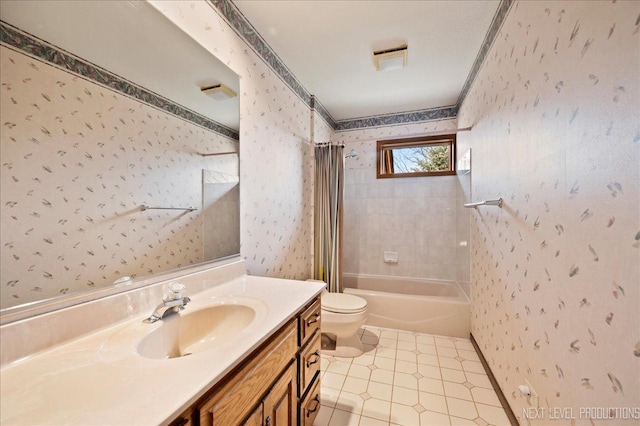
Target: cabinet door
255,419
280,403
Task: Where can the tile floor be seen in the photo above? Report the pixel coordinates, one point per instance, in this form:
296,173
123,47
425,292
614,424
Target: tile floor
408,379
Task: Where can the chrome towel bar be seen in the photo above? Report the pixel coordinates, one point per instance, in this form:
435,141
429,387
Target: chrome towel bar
145,207
497,202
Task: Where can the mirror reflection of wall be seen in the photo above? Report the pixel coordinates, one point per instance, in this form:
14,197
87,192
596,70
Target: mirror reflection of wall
82,148
221,207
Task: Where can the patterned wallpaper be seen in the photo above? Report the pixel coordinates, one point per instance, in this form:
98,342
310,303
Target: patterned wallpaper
556,271
77,162
275,131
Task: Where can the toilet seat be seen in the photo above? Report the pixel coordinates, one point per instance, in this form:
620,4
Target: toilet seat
341,303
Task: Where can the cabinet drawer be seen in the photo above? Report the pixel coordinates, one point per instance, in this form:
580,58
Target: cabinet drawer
309,363
310,405
309,321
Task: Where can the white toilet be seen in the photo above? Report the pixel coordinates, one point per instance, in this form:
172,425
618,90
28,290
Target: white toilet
342,317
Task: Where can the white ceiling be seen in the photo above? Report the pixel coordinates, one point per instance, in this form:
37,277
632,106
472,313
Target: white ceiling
328,45
135,41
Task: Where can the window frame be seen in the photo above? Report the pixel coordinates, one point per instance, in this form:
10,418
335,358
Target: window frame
381,145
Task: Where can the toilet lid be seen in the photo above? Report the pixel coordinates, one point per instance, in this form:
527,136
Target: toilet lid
343,303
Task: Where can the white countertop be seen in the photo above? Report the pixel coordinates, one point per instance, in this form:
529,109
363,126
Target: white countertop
100,379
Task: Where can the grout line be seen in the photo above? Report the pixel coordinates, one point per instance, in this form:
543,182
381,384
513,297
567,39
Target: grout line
496,387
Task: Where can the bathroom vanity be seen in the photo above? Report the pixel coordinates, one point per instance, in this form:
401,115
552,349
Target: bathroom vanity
245,350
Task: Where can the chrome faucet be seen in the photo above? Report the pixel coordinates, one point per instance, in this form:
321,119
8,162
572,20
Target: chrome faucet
172,303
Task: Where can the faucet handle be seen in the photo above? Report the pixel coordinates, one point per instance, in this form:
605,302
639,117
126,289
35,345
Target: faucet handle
176,290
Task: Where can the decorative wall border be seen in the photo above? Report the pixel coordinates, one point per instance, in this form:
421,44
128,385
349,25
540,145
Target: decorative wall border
234,17
40,49
492,33
433,114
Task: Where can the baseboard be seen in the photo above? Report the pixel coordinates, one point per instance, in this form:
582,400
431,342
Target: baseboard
494,383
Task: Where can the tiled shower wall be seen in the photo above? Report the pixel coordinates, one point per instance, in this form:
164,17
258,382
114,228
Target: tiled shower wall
556,272
77,162
415,217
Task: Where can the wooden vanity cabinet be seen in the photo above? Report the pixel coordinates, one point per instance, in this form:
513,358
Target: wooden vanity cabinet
271,386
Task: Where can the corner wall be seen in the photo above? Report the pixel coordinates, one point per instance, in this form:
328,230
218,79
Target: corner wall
555,272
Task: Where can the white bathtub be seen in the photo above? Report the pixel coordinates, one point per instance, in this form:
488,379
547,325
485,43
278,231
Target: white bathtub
425,306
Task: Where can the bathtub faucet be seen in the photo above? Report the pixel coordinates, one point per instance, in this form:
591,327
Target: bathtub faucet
172,303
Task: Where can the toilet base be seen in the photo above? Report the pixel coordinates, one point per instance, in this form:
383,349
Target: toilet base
345,347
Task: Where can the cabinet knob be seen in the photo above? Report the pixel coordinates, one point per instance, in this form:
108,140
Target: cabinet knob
267,421
317,357
315,319
310,412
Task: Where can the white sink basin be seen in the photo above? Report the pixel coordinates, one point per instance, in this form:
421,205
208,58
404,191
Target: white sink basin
195,331
204,324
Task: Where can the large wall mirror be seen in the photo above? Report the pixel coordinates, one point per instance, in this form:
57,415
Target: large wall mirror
103,112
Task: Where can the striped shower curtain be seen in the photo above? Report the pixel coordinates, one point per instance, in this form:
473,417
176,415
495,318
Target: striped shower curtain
329,184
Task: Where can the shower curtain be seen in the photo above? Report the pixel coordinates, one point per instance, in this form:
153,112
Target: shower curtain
329,184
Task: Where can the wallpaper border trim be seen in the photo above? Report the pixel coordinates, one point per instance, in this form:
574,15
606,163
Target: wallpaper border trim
489,38
37,48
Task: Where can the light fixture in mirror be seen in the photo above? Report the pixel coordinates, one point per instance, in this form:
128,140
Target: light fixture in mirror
97,123
413,157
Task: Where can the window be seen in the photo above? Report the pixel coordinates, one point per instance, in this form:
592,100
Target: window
426,156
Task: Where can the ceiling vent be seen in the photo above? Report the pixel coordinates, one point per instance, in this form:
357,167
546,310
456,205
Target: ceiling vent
391,59
219,92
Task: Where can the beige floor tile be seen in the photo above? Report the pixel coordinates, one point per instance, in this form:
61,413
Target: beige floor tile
470,355
433,402
456,390
448,352
427,384
457,421
385,363
382,376
323,417
344,418
406,336
464,345
492,415
430,418
428,359
427,349
368,421
386,353
339,367
365,359
359,371
380,391
429,371
405,380
389,334
406,367
328,396
404,415
351,402
473,367
377,409
333,380
388,343
403,355
447,362
405,396
462,408
444,342
485,396
451,375
425,339
407,346
355,385
478,379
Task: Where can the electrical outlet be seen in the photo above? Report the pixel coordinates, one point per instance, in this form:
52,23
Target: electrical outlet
533,399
